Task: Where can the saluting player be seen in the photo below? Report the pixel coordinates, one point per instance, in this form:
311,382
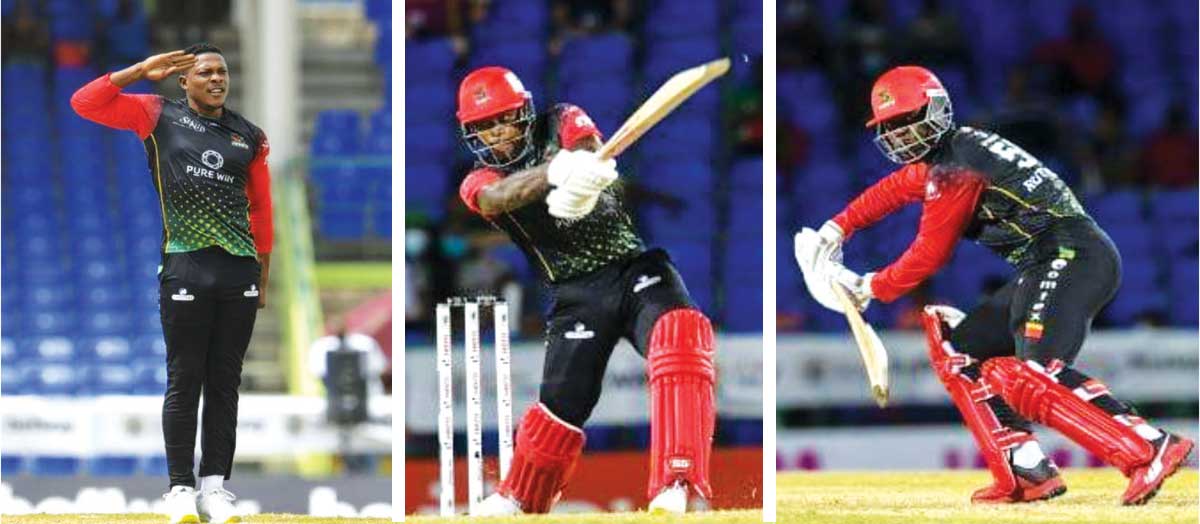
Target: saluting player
1009,360
209,166
539,179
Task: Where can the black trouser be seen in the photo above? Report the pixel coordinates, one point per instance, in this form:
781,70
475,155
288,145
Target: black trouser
1046,311
590,314
208,302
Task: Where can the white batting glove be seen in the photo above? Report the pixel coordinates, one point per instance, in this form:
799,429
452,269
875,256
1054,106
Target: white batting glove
562,203
581,172
859,287
830,247
578,178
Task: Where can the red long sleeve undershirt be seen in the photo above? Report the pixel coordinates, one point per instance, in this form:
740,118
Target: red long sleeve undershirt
102,102
949,203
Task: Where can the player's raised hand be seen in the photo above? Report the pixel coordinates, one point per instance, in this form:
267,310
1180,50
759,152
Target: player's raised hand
160,66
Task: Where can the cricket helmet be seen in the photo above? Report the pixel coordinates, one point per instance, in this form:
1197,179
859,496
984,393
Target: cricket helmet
486,94
910,112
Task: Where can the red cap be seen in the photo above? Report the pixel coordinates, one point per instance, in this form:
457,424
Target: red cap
489,91
901,90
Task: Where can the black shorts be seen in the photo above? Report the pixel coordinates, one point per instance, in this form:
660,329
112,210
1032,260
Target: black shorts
1046,311
590,314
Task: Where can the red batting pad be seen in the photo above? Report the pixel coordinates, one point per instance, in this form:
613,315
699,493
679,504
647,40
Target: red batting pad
1039,397
682,400
970,398
543,460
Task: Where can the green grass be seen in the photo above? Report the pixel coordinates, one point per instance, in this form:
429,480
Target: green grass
640,517
354,275
154,518
1093,497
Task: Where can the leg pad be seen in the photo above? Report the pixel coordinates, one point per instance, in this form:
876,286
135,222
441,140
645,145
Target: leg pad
682,400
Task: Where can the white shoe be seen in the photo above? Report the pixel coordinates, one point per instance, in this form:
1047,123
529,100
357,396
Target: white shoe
498,505
216,506
181,505
672,499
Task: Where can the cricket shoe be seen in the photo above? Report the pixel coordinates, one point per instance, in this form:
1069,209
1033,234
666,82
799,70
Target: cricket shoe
672,499
498,505
1040,482
181,505
216,506
1170,451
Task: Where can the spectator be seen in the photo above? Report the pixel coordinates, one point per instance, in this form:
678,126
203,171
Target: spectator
1169,157
1083,62
802,41
26,35
933,38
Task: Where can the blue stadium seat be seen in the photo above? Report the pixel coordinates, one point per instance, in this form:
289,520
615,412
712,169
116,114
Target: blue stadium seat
110,349
150,346
678,18
747,175
1182,292
56,379
687,136
1140,293
12,465
155,466
54,466
16,378
429,102
746,216
590,58
150,376
342,222
428,142
55,349
428,59
113,466
110,379
682,178
693,221
512,17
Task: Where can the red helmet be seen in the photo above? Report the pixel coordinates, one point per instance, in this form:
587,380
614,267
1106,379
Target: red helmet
901,91
489,92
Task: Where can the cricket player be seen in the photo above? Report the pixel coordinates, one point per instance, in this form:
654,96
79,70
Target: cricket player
209,166
539,179
1008,361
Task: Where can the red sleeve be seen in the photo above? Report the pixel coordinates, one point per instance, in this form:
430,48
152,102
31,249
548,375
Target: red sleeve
573,125
947,210
473,184
102,102
904,186
258,191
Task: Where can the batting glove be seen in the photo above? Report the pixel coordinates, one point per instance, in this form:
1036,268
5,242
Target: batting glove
858,286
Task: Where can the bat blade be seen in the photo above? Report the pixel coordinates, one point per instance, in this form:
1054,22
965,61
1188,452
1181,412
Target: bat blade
673,92
870,347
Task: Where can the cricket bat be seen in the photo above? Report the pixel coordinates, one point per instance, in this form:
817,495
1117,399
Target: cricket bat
870,347
673,92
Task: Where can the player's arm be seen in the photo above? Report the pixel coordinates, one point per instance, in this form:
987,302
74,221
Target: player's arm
903,186
504,194
102,101
262,226
943,220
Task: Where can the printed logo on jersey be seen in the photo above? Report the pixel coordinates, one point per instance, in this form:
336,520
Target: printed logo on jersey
644,282
931,190
236,140
191,123
581,332
183,296
1034,326
252,292
212,159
